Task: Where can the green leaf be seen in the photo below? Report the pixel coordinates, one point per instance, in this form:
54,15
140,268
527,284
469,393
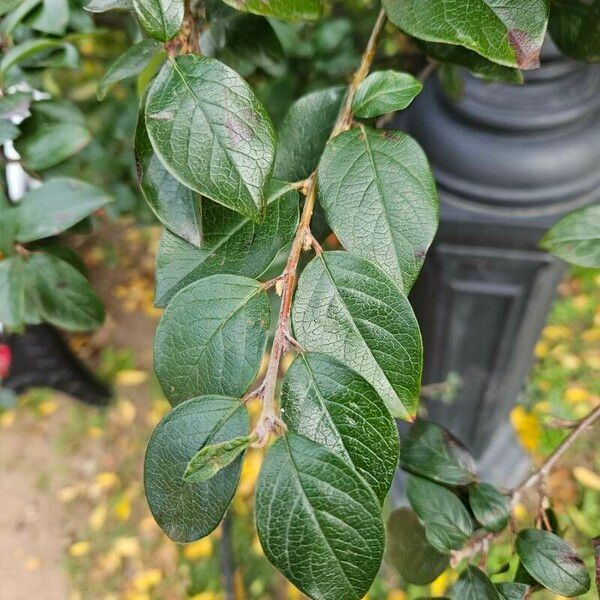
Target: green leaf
11,292
212,133
18,12
477,64
318,521
349,309
99,6
15,105
433,452
8,5
490,507
54,207
58,293
51,144
445,519
379,197
232,244
8,131
162,19
305,131
129,64
53,17
509,33
328,403
474,584
409,551
575,28
384,92
576,237
187,511
211,338
553,562
208,461
286,10
177,207
40,52
512,591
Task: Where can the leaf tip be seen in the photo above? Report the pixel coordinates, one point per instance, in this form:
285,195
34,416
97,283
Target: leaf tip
527,51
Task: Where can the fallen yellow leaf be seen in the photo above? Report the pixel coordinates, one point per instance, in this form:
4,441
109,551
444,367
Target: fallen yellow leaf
47,407
587,478
126,547
107,480
79,549
396,595
555,333
122,509
577,394
200,549
146,580
131,377
98,517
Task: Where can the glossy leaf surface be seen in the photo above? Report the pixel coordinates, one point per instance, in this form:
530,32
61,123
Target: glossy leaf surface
325,401
162,19
318,521
490,507
349,309
187,511
211,338
286,10
474,584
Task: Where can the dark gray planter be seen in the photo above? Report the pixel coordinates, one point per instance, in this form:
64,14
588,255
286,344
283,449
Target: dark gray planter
509,161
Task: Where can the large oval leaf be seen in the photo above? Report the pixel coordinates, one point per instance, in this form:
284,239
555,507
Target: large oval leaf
551,561
304,132
332,405
211,338
575,28
474,584
232,243
212,133
318,521
576,237
512,591
188,511
433,452
509,33
409,551
347,308
380,199
447,522
58,293
162,19
177,207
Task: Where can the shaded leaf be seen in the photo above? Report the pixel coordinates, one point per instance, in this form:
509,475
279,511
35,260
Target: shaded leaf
98,6
54,207
445,519
286,10
177,207
187,511
509,33
576,237
52,18
328,403
212,133
477,64
409,551
11,292
305,131
474,584
553,562
129,64
349,309
211,338
433,452
161,19
318,521
232,244
490,507
40,52
18,12
208,461
575,28
15,105
58,293
383,92
512,591
51,144
380,199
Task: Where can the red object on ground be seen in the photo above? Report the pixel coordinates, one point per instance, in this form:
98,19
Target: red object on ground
5,360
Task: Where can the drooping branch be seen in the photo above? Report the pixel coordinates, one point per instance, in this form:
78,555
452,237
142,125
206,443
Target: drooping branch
481,542
269,421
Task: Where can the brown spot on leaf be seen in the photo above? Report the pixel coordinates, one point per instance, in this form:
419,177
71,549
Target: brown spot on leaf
420,253
570,558
526,49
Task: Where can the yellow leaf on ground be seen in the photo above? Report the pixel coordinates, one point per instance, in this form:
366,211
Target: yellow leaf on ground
576,394
68,494
554,333
200,549
131,377
526,426
591,335
7,418
520,512
122,509
541,349
47,407
442,583
126,547
79,549
587,478
95,432
206,596
396,595
98,517
146,580
107,480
